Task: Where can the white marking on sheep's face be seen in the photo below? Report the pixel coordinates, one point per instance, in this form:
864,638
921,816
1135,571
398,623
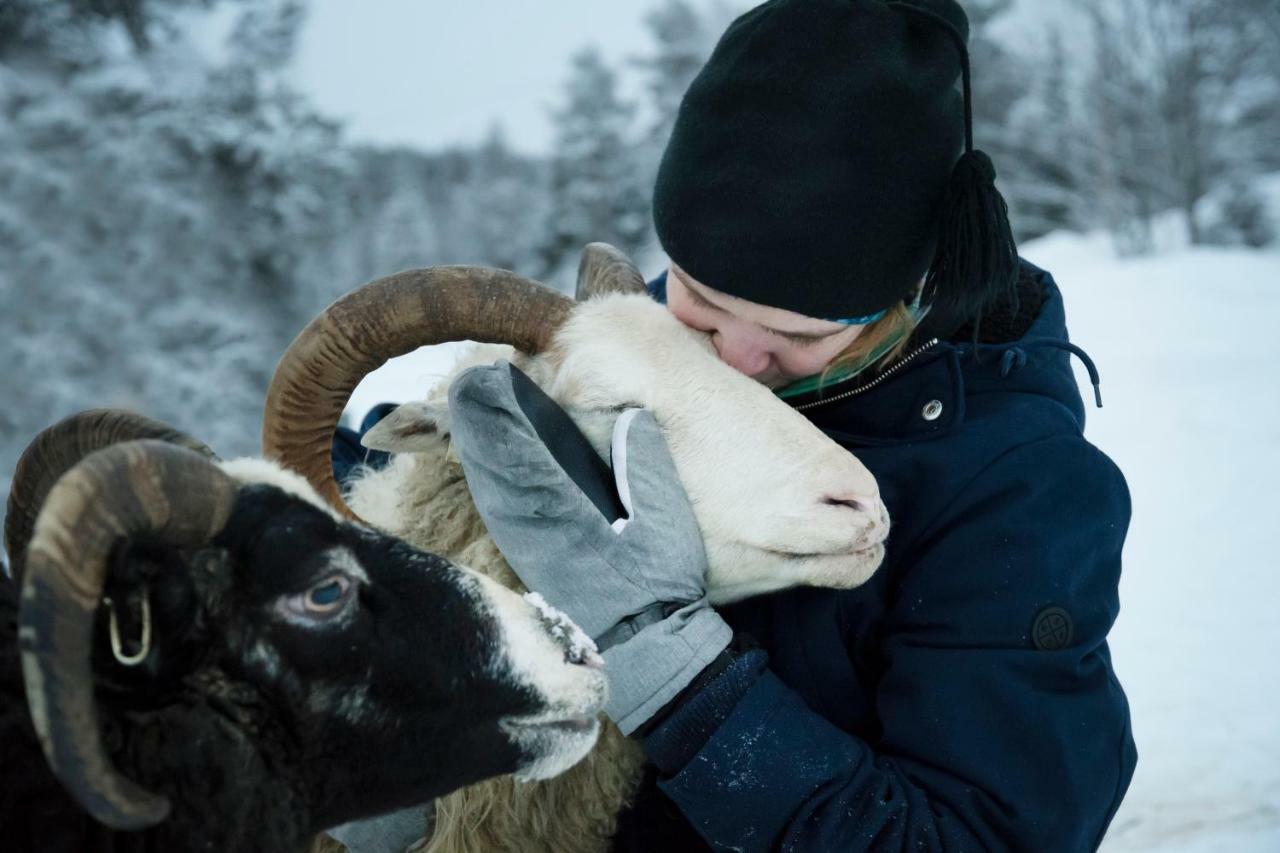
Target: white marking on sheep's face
265,658
396,663
551,656
251,470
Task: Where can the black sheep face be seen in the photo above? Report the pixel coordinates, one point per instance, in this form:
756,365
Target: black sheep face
391,675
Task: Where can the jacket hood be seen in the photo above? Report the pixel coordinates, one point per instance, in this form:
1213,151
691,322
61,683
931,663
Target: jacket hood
1039,362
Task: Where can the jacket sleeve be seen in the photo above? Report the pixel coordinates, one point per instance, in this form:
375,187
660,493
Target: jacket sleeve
990,740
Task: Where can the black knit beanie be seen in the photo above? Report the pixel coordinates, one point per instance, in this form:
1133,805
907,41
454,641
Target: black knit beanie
816,164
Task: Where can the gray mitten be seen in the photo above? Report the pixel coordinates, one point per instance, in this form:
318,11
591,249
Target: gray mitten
391,833
637,583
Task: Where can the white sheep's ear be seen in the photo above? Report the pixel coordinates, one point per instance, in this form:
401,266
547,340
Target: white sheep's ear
412,427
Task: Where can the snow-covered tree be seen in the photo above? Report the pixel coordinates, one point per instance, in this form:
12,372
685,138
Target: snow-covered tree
1186,99
159,215
1000,76
1042,168
504,205
682,41
598,191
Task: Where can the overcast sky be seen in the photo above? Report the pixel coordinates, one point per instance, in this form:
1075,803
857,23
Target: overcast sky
430,73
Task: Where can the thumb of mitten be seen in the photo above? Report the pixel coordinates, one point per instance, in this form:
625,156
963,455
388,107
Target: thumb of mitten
660,519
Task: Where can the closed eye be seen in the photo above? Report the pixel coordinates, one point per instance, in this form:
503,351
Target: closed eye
797,338
700,300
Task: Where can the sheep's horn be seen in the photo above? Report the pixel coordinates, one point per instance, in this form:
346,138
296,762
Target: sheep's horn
56,449
604,269
387,318
150,490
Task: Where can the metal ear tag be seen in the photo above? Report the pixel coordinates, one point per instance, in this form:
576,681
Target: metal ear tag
144,642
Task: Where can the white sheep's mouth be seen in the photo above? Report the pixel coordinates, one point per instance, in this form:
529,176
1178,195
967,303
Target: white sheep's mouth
784,554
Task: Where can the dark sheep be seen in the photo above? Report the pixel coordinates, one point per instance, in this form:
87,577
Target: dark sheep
204,656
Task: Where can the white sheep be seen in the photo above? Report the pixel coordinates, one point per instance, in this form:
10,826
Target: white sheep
778,502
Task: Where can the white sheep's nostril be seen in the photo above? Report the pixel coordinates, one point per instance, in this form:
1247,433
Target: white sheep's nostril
859,504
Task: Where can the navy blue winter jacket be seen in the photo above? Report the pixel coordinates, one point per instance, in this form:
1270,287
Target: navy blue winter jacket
964,698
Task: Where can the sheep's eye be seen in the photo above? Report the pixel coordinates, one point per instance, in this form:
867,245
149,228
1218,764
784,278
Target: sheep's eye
324,600
326,596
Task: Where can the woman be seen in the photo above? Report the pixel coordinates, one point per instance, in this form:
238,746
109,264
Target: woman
963,699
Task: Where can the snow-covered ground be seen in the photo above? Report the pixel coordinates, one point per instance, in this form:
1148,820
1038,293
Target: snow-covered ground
1185,342
1191,385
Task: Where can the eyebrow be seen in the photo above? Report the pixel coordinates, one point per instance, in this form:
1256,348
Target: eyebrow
800,337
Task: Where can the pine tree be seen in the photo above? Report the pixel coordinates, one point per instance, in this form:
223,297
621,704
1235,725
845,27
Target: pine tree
682,43
162,219
1124,151
1044,174
1000,77
1186,94
597,189
1001,83
503,204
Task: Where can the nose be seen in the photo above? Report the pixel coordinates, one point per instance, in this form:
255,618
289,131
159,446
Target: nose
740,352
872,517
859,503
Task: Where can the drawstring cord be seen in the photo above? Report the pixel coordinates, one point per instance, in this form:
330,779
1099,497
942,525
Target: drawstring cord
1013,357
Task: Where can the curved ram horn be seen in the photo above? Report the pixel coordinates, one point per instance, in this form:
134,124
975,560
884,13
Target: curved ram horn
56,449
604,269
387,318
140,489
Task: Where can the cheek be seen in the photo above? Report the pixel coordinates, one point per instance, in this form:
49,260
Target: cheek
805,361
801,363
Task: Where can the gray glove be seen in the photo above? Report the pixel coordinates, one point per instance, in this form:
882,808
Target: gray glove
635,584
391,833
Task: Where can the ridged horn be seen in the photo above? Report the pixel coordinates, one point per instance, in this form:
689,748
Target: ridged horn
149,490
604,269
56,449
390,317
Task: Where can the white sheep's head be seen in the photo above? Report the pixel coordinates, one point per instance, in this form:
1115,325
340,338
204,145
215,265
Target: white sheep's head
778,502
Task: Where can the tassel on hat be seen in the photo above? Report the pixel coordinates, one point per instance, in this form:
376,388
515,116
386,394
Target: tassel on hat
976,260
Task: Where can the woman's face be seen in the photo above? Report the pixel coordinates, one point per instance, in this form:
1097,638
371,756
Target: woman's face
772,346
